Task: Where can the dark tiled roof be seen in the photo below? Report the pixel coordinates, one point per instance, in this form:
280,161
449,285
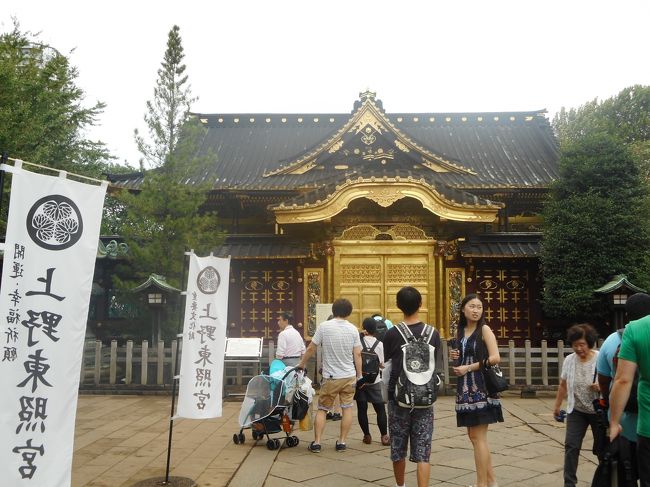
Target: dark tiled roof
261,247
493,150
504,244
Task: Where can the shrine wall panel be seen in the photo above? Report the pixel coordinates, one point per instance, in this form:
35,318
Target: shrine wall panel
259,291
509,290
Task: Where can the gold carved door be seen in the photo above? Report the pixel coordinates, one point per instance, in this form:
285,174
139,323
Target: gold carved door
369,274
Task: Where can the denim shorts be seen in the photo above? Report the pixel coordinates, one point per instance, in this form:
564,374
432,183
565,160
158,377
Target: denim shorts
406,425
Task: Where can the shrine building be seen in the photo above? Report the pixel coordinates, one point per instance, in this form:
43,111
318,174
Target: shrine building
357,205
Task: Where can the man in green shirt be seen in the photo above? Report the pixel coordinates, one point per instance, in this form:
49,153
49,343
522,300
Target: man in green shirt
634,353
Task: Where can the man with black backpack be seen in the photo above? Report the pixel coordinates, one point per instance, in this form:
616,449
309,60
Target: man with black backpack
413,349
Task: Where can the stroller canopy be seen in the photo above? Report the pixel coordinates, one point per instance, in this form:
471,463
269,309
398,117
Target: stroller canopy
263,395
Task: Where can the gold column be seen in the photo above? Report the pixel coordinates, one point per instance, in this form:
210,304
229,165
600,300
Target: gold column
330,276
440,294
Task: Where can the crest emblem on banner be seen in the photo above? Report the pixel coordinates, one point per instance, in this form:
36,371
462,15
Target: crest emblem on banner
208,280
54,222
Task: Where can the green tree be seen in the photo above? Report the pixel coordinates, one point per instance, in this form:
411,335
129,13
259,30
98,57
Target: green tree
43,118
625,116
168,215
167,112
596,225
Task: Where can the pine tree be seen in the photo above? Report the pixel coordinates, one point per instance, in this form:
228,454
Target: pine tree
168,111
168,214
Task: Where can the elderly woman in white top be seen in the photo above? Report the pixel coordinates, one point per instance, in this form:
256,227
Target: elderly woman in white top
579,387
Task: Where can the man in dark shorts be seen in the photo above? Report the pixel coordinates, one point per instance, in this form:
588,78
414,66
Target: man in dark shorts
406,424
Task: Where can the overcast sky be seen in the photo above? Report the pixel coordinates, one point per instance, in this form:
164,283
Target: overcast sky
251,56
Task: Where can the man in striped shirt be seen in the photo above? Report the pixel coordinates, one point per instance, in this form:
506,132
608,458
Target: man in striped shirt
341,351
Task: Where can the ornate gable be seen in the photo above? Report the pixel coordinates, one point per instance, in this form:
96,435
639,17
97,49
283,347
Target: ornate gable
368,138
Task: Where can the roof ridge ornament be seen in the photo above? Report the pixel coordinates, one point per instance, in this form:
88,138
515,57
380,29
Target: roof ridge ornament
365,98
367,95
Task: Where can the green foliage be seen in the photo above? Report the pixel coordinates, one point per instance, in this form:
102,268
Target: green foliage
625,116
42,117
596,225
166,216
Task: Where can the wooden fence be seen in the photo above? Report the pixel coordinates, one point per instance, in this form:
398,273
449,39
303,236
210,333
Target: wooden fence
141,365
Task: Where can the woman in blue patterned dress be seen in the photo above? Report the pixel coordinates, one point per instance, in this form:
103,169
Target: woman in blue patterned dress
475,408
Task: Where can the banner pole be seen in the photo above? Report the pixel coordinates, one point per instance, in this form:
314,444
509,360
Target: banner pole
3,160
179,334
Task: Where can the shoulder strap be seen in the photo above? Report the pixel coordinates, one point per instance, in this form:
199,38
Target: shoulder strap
364,347
374,345
404,330
427,333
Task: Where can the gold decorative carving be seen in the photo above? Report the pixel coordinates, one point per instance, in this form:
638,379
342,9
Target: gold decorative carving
409,232
304,168
401,231
367,118
455,293
336,146
313,286
419,190
368,136
401,146
401,273
360,273
359,232
433,166
447,249
384,196
371,155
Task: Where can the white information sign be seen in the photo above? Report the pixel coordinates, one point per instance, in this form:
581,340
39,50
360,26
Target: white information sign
244,347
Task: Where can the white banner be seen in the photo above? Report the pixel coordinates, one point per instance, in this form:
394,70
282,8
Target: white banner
204,338
49,261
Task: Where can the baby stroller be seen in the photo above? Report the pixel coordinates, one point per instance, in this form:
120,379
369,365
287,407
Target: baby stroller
265,412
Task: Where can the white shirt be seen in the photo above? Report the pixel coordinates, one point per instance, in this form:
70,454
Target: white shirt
569,375
337,339
290,343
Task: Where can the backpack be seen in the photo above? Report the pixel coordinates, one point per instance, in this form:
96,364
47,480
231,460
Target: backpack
418,382
632,405
369,362
382,328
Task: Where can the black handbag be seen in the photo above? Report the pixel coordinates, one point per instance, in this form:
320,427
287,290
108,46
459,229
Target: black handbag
492,375
299,405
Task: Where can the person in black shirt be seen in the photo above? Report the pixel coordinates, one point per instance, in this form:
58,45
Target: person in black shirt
405,424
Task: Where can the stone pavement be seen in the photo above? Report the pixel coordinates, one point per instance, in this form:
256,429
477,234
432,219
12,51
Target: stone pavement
121,440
